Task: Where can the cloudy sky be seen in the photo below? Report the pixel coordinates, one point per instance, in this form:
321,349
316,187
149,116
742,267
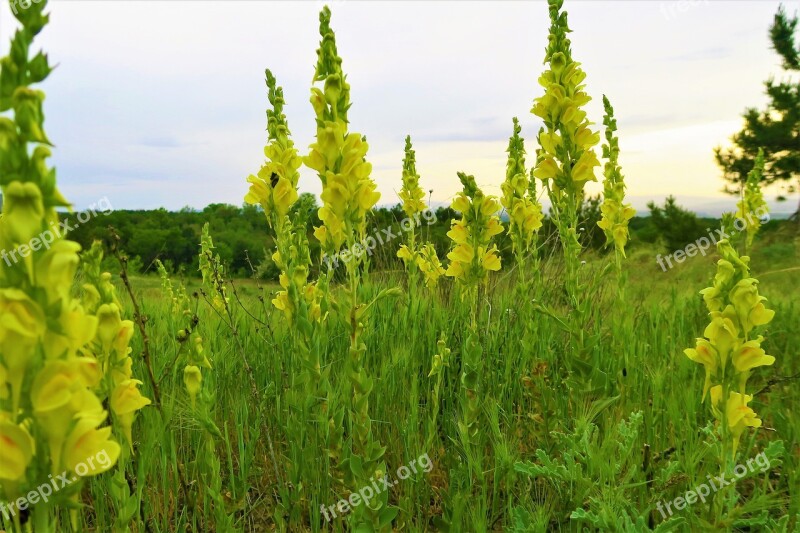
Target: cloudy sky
162,103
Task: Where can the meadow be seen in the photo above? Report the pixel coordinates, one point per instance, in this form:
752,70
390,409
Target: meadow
596,444
540,386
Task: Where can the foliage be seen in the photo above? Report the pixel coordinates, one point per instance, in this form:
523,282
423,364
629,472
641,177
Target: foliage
776,129
553,399
675,225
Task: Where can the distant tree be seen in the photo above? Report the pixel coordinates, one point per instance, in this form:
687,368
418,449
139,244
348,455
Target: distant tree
676,226
305,208
591,236
776,129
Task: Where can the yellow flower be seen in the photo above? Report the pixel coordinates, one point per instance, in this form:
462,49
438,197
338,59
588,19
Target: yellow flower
455,269
713,298
321,234
550,141
259,192
493,227
405,253
55,269
533,216
546,169
125,401
59,396
109,325
490,260
583,170
585,138
368,197
324,152
748,304
192,379
86,443
458,232
57,392
123,339
462,253
282,302
723,334
472,234
430,266
285,195
750,355
77,329
725,273
23,212
22,323
705,354
461,203
738,415
488,205
122,371
88,368
16,451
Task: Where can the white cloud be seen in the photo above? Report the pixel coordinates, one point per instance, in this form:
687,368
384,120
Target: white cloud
163,102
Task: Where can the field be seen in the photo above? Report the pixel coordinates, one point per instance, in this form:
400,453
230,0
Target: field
596,441
523,382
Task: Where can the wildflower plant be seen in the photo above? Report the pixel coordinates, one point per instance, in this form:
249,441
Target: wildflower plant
615,217
111,344
412,196
338,155
429,264
616,214
275,186
348,195
473,254
524,212
213,272
752,207
275,190
300,300
566,161
119,388
178,298
60,357
730,349
440,361
472,257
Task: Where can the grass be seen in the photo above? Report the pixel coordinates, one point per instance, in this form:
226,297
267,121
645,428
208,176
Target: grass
553,457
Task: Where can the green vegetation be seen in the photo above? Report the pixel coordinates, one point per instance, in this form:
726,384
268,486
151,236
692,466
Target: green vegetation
540,383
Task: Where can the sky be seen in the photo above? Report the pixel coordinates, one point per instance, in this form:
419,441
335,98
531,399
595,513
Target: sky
162,103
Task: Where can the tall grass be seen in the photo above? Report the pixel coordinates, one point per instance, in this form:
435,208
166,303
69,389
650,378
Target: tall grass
550,395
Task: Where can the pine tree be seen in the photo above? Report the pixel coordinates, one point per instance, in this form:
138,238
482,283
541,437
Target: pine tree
776,129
